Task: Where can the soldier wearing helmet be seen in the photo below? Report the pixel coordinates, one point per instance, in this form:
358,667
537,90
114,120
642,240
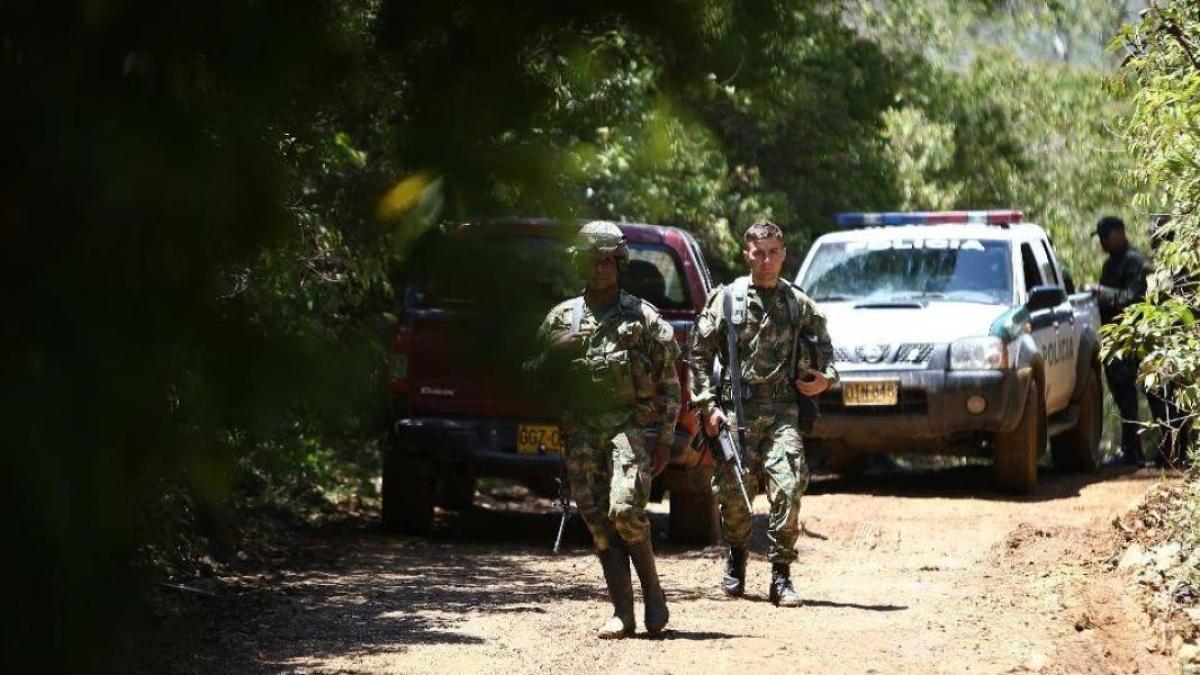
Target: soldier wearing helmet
600,239
619,358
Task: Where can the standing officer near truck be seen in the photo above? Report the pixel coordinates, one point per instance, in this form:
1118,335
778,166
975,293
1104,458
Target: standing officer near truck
1123,280
778,336
615,358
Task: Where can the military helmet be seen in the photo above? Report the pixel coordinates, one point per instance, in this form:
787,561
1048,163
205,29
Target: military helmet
601,239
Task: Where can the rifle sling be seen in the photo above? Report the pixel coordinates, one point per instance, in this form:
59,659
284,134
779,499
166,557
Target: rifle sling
734,367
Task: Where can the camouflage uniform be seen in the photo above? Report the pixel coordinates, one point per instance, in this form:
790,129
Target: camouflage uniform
619,379
774,448
625,381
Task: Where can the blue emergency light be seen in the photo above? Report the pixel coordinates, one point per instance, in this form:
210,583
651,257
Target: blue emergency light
856,220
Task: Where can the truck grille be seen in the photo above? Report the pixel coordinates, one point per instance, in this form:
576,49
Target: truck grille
916,353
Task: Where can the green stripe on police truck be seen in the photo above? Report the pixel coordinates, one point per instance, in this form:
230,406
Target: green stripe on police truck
1009,325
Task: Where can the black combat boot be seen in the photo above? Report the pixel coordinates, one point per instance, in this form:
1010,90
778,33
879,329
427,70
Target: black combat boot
615,562
642,555
782,593
734,581
1131,444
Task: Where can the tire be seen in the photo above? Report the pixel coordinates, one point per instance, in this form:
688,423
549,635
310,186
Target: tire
694,519
456,488
1078,449
1015,454
847,463
408,492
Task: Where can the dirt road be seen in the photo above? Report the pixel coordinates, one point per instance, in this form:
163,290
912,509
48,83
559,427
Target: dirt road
904,573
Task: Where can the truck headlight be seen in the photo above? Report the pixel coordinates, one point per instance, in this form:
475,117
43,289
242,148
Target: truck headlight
978,353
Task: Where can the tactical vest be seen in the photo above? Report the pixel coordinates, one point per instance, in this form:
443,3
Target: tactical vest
620,377
740,287
735,313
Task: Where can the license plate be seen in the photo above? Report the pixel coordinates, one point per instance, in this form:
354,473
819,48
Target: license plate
538,439
874,392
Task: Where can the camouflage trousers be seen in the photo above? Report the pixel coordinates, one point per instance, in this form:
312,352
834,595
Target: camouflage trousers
775,454
608,470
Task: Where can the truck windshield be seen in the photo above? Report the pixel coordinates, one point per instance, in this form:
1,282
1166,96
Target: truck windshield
471,271
890,270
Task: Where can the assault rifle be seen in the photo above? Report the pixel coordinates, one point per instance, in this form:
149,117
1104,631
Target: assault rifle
723,443
564,504
730,451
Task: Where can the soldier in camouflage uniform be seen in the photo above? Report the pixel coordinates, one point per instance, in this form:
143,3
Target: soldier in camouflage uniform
771,310
619,358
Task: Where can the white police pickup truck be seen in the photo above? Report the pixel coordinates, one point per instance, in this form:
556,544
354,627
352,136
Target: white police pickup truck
954,334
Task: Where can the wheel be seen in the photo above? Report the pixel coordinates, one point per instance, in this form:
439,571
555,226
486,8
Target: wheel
694,519
845,462
1015,454
408,488
456,488
1078,449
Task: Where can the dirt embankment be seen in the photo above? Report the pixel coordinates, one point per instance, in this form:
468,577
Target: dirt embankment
904,573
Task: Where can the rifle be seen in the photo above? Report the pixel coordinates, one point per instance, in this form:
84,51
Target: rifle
731,452
732,457
564,503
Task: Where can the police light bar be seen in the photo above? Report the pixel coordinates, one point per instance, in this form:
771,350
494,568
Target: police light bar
1002,218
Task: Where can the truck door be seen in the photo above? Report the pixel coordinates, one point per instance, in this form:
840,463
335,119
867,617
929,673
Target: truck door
1045,325
1068,335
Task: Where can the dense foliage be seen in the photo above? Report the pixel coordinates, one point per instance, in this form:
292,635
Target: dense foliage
1162,75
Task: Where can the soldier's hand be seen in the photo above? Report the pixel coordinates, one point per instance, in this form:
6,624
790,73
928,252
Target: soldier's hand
567,341
659,458
815,385
713,422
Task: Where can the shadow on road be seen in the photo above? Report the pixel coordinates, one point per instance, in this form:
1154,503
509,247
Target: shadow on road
672,634
966,482
855,605
532,529
359,593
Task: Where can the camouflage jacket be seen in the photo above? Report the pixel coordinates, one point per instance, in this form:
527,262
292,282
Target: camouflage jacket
764,342
1122,282
623,369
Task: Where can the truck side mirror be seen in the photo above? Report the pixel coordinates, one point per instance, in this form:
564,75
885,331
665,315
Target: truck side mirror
1045,297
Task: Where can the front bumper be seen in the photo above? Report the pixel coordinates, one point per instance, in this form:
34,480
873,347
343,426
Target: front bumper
931,414
483,443
490,445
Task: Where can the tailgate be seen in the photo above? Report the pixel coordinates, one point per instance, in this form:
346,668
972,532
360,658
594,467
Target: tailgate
465,365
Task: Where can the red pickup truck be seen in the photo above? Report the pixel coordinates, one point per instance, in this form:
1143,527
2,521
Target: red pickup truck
462,408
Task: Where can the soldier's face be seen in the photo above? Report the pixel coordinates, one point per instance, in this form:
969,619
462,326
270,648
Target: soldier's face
765,257
1113,241
603,275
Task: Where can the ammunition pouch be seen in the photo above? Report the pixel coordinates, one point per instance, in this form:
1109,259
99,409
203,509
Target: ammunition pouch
603,383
